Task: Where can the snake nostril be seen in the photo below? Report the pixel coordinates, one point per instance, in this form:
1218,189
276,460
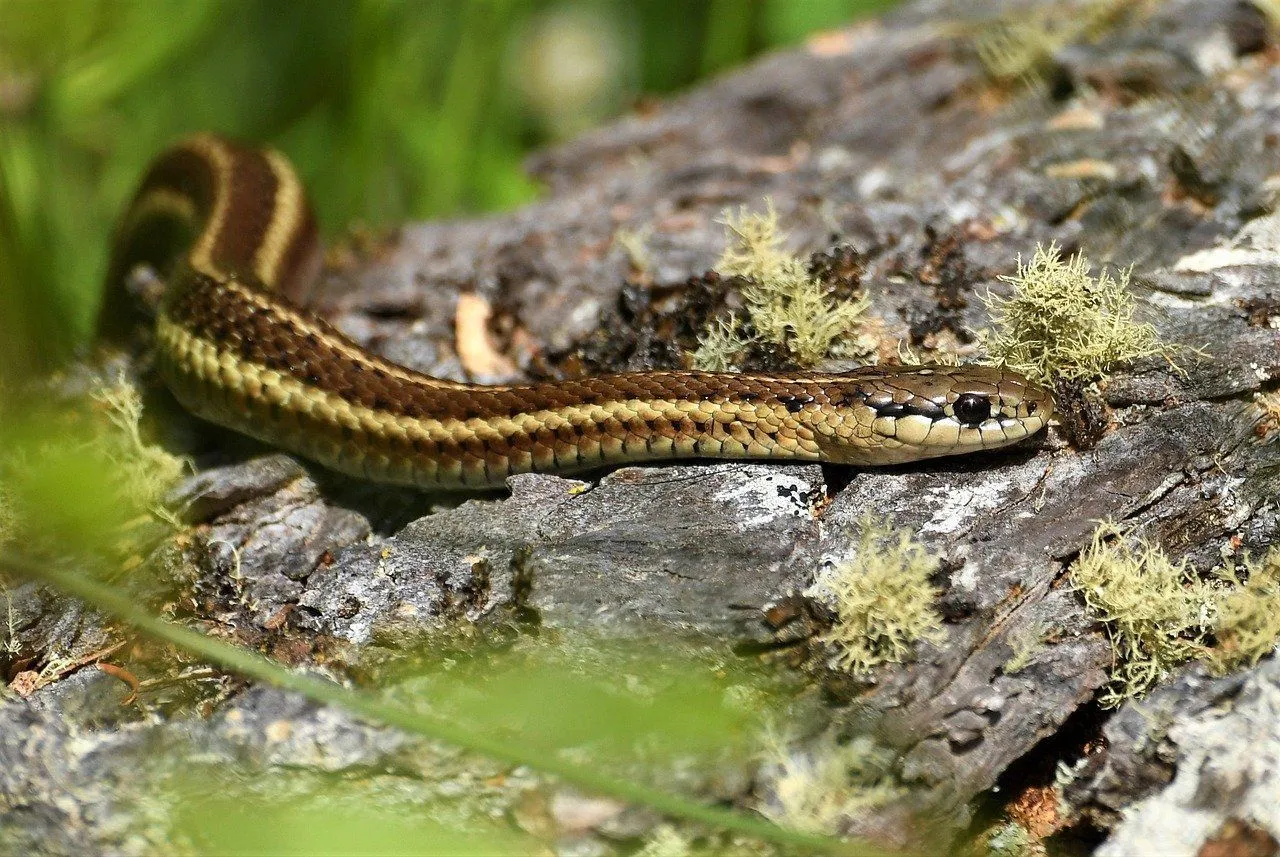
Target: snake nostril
971,408
1031,408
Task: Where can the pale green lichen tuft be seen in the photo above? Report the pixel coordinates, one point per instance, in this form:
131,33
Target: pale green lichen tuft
634,243
720,346
818,788
1020,48
1157,613
1270,9
1012,840
1060,322
146,471
755,244
666,841
1248,623
1160,614
882,597
786,306
1017,50
1026,643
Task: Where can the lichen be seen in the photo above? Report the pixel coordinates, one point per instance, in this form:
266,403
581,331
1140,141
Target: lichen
1019,49
634,243
1012,840
882,597
666,841
1270,9
146,471
786,306
80,478
8,518
1026,642
1268,405
818,787
1160,614
1248,621
1157,613
1060,322
720,346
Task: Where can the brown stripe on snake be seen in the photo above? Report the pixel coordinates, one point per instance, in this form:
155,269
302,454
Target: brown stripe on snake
236,351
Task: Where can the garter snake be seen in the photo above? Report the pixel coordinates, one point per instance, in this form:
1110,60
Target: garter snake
231,231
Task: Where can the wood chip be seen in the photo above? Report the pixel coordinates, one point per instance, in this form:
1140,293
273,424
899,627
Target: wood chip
475,350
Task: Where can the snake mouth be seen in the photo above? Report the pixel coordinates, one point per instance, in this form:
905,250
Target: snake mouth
947,436
967,422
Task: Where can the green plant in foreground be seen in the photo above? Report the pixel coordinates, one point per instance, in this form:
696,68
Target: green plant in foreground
7,517
882,597
1060,322
786,306
82,480
374,708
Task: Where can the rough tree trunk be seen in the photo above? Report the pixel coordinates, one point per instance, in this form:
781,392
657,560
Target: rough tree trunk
1150,138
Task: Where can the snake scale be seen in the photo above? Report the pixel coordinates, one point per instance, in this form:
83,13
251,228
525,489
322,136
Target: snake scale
231,232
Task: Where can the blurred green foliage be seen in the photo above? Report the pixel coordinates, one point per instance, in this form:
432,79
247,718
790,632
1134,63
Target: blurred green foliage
341,821
391,110
663,705
244,825
625,709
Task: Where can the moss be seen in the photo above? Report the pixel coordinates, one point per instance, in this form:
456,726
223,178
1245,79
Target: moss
882,597
1248,623
819,788
1157,613
786,306
1060,322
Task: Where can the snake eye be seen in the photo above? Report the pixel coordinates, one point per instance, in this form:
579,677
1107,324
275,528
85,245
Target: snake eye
972,408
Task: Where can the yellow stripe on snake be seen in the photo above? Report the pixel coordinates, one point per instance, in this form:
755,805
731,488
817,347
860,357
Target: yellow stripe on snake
232,231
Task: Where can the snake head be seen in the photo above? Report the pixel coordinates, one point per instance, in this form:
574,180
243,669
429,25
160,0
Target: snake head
898,414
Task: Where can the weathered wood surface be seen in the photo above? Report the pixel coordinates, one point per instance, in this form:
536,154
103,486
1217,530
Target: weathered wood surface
884,137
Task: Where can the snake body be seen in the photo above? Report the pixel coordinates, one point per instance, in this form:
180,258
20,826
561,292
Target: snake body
231,230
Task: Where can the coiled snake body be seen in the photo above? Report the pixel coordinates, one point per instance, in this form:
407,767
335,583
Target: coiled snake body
233,230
